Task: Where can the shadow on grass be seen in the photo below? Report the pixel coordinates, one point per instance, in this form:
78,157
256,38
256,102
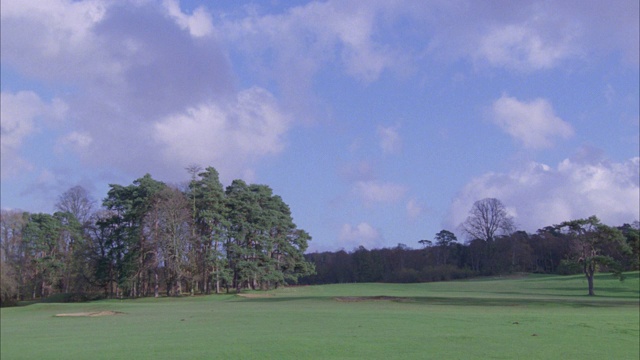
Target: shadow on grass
453,301
612,293
631,275
577,303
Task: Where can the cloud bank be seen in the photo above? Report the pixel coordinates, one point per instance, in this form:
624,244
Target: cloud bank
539,195
144,79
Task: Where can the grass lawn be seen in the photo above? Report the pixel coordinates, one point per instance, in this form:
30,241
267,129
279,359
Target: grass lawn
530,317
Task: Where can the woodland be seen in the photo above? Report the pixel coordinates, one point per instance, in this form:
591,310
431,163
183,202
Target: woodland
150,239
494,247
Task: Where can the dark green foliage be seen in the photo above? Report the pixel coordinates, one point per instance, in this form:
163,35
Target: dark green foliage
127,246
592,246
209,265
149,236
569,267
550,250
632,239
263,246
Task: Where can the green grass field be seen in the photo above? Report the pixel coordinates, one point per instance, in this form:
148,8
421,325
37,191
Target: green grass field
529,317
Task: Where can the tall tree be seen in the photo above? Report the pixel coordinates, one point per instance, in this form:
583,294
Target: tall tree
174,220
43,248
632,234
71,241
487,218
11,256
443,240
78,202
590,238
264,246
210,226
130,244
102,252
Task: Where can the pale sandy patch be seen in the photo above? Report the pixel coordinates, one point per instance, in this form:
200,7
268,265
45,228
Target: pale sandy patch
90,314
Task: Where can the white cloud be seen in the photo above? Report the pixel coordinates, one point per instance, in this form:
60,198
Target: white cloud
521,47
122,68
306,37
374,191
533,123
199,23
533,35
539,195
361,234
230,135
54,39
19,113
390,140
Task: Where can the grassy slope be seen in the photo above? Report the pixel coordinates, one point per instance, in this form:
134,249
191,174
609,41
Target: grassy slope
533,317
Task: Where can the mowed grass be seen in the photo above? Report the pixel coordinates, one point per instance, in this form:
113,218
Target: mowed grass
529,317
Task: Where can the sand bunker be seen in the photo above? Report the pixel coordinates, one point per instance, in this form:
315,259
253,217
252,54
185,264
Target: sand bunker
371,298
90,314
255,296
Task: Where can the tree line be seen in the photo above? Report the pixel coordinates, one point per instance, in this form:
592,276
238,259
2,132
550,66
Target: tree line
149,238
493,247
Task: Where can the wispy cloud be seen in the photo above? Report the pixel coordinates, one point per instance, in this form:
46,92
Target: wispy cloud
390,140
522,47
362,234
414,209
74,140
20,113
371,192
532,123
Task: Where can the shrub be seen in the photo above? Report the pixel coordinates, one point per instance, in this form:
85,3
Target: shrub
569,267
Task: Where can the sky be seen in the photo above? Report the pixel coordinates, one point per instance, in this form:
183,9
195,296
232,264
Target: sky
378,122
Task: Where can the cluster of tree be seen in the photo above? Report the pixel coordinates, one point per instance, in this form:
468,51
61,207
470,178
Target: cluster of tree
149,237
494,248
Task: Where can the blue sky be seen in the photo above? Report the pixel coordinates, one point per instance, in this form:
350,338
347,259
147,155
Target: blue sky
378,122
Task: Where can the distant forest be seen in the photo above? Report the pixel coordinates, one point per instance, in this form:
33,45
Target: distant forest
152,239
548,251
494,247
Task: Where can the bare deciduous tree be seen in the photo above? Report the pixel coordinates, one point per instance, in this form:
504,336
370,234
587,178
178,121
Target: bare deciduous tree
78,202
487,218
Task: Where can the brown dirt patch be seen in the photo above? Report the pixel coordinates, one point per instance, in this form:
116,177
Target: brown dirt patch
371,298
90,314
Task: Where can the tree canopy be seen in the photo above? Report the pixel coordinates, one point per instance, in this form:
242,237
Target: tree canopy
592,244
149,236
487,218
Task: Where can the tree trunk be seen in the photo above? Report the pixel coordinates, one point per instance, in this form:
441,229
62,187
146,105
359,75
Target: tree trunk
217,282
156,287
205,280
589,270
590,281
